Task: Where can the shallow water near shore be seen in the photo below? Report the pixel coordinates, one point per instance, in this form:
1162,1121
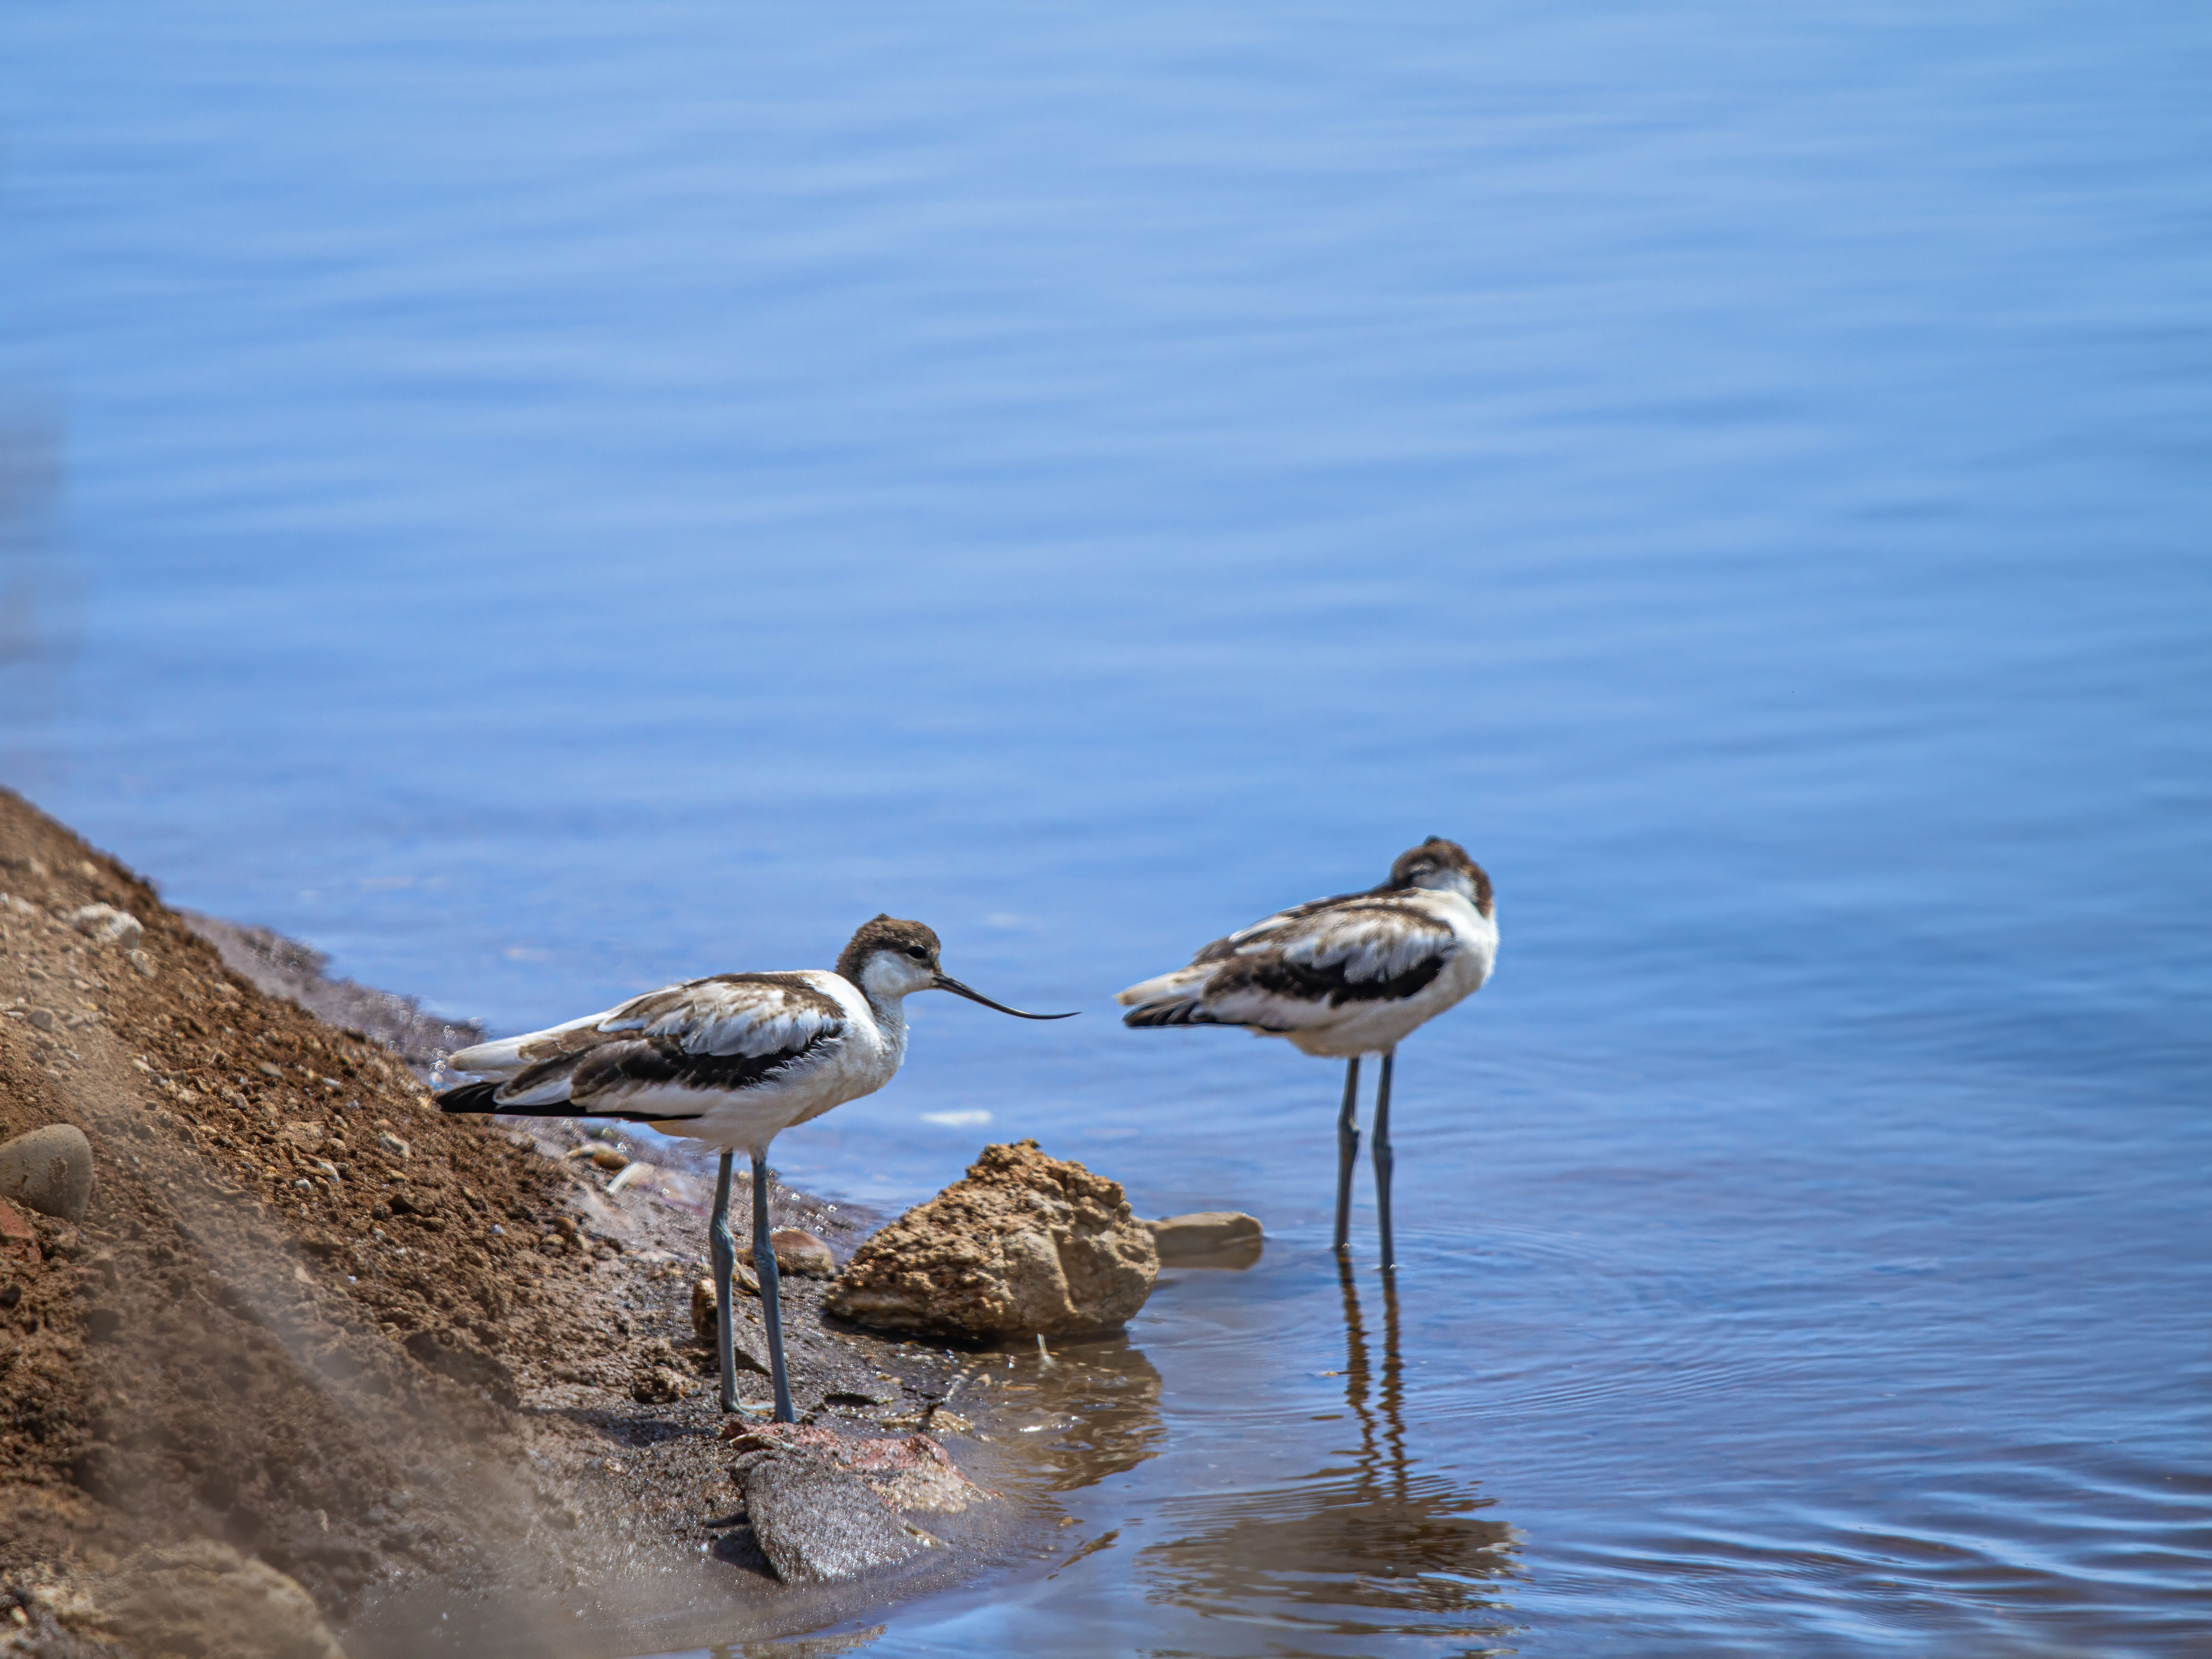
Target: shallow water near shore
542,501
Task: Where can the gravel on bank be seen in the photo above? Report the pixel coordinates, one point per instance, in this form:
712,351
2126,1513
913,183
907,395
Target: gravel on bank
285,967
418,1364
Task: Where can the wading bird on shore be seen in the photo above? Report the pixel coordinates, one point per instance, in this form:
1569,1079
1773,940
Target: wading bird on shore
730,1060
1342,977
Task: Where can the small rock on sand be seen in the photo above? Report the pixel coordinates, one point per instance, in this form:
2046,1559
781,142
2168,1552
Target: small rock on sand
803,1253
703,1304
703,1310
49,1170
657,1385
1023,1244
106,924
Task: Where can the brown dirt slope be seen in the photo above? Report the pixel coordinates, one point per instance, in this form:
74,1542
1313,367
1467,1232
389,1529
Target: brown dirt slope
287,968
301,1300
423,1366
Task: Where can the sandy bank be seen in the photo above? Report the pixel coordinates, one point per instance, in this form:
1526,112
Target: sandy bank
389,1354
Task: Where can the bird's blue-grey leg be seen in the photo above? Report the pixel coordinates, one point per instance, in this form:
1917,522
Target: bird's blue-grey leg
771,1307
1347,1149
1382,1158
724,1249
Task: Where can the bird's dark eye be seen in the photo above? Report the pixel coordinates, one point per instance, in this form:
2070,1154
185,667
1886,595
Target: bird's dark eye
919,953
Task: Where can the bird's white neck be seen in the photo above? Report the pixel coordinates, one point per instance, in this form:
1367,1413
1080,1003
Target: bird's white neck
886,982
890,1019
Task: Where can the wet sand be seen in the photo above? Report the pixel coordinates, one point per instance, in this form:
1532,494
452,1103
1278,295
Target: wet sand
389,1353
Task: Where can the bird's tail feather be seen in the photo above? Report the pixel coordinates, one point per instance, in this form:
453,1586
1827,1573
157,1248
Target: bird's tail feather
1165,985
470,1097
1171,1010
478,1097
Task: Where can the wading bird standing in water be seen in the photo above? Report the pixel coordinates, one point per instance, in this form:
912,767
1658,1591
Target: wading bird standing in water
1343,977
730,1060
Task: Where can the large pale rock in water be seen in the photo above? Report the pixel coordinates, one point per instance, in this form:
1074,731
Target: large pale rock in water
1023,1244
50,1170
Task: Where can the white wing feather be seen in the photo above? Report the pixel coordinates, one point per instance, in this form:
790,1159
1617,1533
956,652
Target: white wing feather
1359,939
744,1018
720,1016
1367,943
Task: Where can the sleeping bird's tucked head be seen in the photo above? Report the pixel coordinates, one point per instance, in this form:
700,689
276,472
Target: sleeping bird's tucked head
1441,866
891,960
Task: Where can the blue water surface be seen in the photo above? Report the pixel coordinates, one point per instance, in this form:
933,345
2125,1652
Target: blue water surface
542,501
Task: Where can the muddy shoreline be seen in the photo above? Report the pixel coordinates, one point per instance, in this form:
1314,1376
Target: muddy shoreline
393,1356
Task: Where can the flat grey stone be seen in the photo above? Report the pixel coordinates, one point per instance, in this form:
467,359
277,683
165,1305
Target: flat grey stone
910,1471
816,1521
49,1170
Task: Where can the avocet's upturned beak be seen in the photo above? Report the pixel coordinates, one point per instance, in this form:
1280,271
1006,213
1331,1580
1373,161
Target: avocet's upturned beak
946,982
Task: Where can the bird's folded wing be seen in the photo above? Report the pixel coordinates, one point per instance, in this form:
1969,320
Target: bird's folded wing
1362,941
1272,930
503,1058
1301,966
728,1031
733,1014
1183,983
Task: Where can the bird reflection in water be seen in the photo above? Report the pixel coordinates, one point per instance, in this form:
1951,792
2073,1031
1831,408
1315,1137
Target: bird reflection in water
1099,1400
1348,1554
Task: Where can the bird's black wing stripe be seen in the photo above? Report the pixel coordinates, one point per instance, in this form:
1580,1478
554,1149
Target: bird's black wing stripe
617,1067
1166,1012
471,1097
1328,984
1331,982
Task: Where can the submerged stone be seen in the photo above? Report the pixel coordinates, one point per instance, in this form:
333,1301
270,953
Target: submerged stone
1208,1238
